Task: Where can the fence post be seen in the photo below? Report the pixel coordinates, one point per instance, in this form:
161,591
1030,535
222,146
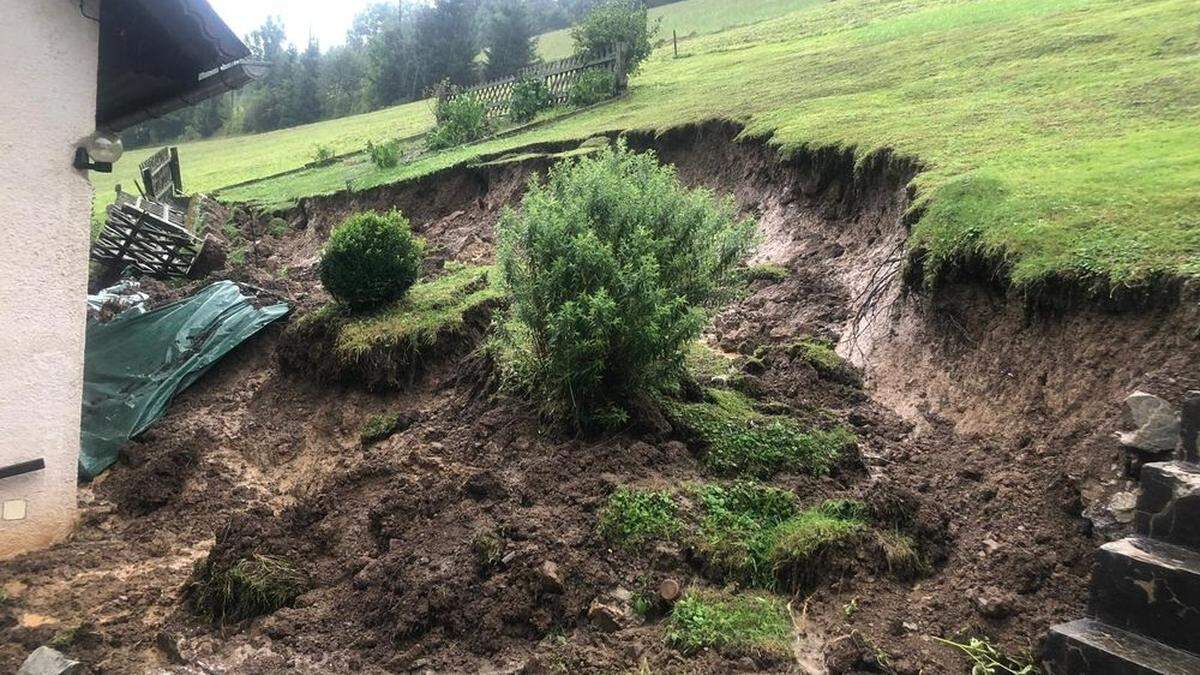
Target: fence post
675,41
622,76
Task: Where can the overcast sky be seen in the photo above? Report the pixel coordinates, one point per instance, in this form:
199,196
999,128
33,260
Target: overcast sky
327,19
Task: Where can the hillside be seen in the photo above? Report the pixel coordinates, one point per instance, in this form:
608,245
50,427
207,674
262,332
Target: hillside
1057,137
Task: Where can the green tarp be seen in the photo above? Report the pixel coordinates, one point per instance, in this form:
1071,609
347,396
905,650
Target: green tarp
136,363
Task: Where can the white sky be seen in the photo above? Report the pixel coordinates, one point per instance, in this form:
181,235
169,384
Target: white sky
327,19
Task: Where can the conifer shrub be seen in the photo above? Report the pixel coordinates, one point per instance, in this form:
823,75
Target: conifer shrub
371,259
529,97
613,268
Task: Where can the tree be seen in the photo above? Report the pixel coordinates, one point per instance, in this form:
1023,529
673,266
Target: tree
509,44
613,21
446,42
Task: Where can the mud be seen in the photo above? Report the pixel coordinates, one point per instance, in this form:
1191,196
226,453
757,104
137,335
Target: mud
984,428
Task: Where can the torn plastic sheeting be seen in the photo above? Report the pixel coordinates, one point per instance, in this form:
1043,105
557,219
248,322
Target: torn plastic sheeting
135,364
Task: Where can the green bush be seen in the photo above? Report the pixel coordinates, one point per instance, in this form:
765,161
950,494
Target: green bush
617,21
529,97
461,119
385,155
322,155
593,86
371,259
612,266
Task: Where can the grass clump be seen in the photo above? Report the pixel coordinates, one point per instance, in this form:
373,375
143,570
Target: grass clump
370,260
488,548
747,623
613,267
381,427
822,357
277,227
251,587
707,365
633,517
740,441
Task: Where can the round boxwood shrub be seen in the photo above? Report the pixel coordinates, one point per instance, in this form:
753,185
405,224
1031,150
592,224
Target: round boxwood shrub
371,259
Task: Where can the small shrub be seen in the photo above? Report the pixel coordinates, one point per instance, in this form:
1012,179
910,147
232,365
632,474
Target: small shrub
371,259
593,86
612,266
613,21
633,517
385,155
251,587
488,548
529,97
323,155
987,659
461,119
747,623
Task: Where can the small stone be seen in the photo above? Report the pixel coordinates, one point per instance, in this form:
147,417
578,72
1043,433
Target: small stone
669,590
993,603
508,557
47,661
1156,421
550,577
1122,505
991,545
622,595
169,646
608,618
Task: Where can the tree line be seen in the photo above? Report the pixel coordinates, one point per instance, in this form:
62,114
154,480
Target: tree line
395,52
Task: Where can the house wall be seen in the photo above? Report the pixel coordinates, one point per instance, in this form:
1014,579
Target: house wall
47,106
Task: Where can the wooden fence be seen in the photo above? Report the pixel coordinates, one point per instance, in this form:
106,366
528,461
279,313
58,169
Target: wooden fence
161,177
559,76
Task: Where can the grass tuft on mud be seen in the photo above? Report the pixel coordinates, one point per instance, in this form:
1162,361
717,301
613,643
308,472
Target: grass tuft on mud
383,426
250,587
437,318
754,534
739,624
633,517
739,441
823,359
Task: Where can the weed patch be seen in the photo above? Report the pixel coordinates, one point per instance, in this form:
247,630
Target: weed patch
382,427
822,357
766,272
748,623
740,441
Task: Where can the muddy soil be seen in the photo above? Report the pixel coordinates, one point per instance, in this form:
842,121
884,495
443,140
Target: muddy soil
997,420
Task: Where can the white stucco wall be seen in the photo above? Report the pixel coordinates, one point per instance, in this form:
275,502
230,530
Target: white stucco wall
47,105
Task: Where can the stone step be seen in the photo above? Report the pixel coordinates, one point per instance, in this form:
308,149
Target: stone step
1168,508
1090,647
1149,587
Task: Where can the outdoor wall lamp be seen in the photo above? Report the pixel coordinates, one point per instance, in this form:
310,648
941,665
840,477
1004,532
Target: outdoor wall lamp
99,152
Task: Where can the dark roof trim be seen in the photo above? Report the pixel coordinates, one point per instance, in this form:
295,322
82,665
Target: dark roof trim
191,18
231,77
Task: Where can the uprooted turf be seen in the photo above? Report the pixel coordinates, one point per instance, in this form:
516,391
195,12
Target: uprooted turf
758,535
740,441
387,348
745,623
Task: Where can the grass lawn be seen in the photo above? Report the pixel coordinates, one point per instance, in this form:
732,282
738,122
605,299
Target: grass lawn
688,18
218,162
1059,135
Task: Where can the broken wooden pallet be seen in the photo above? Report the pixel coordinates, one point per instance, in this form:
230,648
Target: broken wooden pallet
147,236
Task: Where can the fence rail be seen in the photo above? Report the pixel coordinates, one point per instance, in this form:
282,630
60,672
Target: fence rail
161,177
148,236
558,76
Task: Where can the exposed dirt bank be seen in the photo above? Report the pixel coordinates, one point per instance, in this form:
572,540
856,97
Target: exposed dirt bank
994,420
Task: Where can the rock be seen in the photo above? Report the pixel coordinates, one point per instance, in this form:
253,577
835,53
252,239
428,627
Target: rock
623,595
1156,421
47,661
606,617
993,603
550,578
1121,505
669,590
